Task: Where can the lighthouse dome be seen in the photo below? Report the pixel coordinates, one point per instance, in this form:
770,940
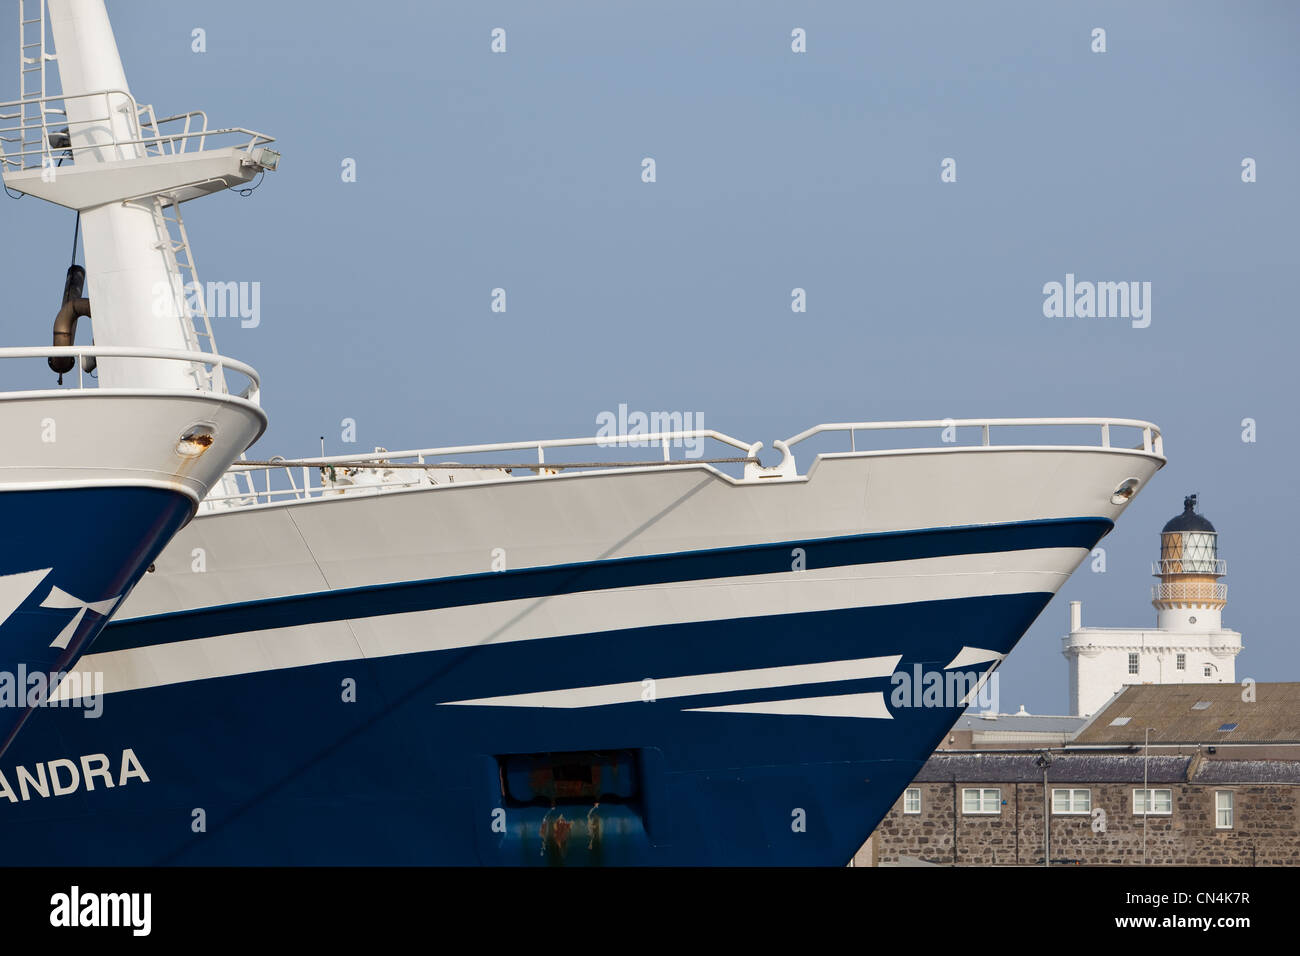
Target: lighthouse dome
1189,520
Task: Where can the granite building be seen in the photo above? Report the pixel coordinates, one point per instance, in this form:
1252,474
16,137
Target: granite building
1164,774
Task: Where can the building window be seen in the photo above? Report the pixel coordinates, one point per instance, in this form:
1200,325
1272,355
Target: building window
912,800
1223,809
1132,663
1181,662
1207,670
981,800
1071,801
1157,802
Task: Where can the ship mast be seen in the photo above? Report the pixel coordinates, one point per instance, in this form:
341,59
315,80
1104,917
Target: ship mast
93,148
130,282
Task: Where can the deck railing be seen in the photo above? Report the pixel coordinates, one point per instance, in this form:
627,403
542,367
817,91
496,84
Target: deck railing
1151,440
281,479
214,365
36,133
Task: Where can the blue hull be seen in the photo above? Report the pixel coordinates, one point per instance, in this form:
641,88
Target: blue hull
69,554
277,767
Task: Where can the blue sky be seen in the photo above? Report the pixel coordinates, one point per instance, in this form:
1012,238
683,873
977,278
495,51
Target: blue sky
775,170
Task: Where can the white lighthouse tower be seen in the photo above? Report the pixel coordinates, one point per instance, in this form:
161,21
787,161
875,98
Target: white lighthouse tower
1188,645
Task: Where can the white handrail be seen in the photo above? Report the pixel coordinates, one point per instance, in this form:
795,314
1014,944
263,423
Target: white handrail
159,139
378,460
616,441
219,362
1151,438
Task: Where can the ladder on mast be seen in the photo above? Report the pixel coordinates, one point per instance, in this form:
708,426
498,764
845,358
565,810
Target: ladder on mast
33,54
174,243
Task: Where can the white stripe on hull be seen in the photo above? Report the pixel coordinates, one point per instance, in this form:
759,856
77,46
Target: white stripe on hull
973,655
869,705
791,592
694,685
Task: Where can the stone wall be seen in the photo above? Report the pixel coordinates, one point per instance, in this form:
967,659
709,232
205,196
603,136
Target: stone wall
1266,828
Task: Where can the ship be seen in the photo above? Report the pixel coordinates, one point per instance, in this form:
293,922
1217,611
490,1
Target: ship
563,652
99,469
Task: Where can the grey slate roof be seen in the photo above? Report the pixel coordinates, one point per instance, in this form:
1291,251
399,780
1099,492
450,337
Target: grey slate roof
1065,768
1248,771
1172,713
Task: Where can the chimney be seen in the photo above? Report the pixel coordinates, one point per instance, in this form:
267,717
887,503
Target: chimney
1076,616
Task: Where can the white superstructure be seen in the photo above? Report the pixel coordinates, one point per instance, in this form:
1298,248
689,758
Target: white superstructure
153,367
93,148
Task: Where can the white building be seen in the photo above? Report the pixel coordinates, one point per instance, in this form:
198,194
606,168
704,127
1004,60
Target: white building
1188,645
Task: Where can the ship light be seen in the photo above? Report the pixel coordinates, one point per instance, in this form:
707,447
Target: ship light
1126,490
267,158
195,441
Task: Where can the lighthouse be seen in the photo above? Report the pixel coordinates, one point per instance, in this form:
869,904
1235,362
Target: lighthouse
1190,595
1188,645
